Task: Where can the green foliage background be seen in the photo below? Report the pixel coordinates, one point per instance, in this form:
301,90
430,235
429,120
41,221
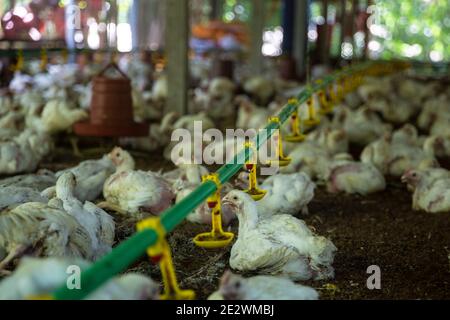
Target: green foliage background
410,22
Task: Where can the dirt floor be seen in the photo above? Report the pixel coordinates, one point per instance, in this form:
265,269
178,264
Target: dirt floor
411,248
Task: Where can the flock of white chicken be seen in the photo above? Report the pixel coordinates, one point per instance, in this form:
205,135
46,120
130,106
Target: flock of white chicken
59,218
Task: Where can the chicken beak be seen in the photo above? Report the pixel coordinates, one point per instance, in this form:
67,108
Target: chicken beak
404,179
228,206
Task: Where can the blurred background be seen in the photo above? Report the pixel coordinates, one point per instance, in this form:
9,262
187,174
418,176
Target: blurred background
385,29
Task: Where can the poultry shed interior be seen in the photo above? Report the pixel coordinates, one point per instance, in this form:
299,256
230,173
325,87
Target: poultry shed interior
224,150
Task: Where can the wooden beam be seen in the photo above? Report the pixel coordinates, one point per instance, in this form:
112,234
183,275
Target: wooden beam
177,33
256,32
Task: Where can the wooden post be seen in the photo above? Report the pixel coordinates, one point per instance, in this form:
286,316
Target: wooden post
256,31
177,33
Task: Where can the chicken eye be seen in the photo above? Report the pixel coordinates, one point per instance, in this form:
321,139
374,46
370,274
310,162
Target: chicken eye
237,285
235,198
117,154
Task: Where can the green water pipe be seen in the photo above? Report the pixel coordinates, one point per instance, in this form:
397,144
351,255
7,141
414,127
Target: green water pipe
129,251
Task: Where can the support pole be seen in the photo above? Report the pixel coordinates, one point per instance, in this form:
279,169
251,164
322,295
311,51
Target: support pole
216,9
325,49
112,18
134,21
143,14
72,18
301,35
343,26
366,31
288,26
355,10
288,64
177,33
256,31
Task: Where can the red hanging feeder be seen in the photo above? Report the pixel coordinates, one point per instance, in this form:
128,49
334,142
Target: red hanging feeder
111,109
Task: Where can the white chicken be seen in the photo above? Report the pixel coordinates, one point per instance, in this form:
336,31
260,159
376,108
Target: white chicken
437,146
17,156
98,224
352,100
186,175
374,87
38,277
413,90
345,175
84,93
202,214
395,154
440,126
392,108
433,110
159,135
38,181
20,82
31,100
6,102
431,193
333,140
128,191
149,104
260,88
310,158
160,89
279,245
41,143
217,100
363,126
186,179
91,176
130,286
250,116
286,194
431,173
408,134
47,231
59,115
236,287
174,122
10,123
13,196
